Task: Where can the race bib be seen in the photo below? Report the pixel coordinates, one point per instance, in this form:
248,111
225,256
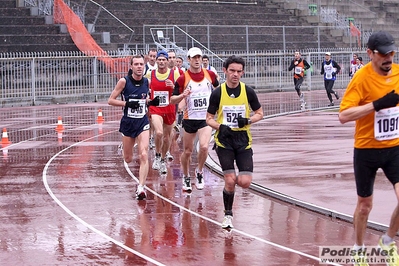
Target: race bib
328,69
163,98
139,112
199,102
298,70
386,124
231,113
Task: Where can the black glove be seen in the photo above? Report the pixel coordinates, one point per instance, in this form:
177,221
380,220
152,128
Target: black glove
242,121
334,74
154,102
389,100
132,104
225,131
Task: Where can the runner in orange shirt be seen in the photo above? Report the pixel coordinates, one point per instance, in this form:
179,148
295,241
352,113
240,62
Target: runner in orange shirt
371,100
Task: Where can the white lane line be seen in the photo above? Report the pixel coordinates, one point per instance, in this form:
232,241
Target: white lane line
219,224
120,244
23,141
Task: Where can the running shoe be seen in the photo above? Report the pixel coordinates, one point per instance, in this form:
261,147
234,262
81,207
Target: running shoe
140,193
227,222
169,156
162,168
156,165
392,258
336,95
187,184
199,179
331,104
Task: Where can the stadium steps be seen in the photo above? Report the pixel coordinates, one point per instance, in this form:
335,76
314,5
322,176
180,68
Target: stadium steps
21,32
265,13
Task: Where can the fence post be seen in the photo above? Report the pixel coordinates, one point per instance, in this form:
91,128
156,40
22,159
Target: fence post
309,76
284,38
32,70
95,78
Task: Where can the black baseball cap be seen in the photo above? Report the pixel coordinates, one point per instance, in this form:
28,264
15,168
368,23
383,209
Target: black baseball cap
381,41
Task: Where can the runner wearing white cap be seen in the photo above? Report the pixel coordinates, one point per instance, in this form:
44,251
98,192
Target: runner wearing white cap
194,87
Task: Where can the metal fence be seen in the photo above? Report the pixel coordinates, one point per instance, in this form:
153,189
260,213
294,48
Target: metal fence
39,79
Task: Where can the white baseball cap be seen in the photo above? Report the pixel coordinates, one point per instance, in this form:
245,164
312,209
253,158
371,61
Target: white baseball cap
328,53
194,51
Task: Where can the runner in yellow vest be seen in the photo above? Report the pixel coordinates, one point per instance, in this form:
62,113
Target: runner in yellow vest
232,102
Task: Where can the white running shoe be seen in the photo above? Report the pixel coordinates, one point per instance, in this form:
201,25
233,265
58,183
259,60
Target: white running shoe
162,168
227,222
169,156
157,163
187,184
199,179
390,252
140,193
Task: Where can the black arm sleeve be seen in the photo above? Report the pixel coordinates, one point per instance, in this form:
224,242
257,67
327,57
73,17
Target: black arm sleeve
215,83
338,67
176,90
214,101
252,98
291,67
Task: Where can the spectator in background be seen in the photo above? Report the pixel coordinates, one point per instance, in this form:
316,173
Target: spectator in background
352,67
353,61
330,69
299,65
359,62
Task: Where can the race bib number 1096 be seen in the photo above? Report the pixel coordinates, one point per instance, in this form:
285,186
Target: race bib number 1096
386,124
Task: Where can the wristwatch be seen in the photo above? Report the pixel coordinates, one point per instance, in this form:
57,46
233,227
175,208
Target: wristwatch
249,121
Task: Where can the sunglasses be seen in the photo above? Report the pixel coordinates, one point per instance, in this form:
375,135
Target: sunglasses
391,53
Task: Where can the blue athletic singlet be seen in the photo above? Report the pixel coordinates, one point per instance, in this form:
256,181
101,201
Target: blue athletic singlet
135,121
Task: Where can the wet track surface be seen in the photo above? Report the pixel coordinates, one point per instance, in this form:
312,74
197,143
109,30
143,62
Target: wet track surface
69,199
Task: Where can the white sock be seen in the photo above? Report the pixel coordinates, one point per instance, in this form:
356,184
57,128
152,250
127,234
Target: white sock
357,247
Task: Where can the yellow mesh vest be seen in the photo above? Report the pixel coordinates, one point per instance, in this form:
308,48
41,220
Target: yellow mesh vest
232,103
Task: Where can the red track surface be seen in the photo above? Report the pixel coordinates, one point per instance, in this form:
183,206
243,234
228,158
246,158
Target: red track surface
69,200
